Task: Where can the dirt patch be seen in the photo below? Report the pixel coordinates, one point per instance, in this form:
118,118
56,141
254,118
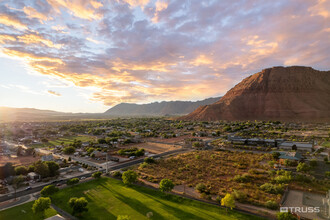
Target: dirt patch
21,160
156,148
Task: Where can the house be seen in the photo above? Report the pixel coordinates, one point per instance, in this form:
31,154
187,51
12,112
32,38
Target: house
291,156
99,154
300,146
48,157
33,176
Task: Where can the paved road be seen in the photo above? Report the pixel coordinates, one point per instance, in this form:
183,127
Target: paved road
63,181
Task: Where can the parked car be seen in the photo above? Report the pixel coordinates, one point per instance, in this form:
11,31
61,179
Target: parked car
83,178
28,188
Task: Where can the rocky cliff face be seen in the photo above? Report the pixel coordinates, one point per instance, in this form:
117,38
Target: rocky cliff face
278,93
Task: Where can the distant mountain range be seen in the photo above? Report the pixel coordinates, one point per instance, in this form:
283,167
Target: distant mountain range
120,110
280,93
158,108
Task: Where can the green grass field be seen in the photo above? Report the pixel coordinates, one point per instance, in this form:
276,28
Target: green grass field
109,198
326,144
66,140
24,212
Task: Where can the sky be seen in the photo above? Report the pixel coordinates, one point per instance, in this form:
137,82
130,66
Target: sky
86,56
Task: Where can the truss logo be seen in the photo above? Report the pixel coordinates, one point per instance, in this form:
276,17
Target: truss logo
300,209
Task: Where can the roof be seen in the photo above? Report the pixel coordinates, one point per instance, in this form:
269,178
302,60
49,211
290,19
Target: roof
290,155
55,217
298,144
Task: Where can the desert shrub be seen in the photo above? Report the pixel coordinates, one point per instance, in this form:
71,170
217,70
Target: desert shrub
271,204
239,195
242,178
272,188
143,165
149,160
200,187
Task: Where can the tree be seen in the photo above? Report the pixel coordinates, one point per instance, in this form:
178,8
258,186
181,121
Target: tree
285,216
49,190
166,185
17,183
40,205
276,155
78,205
228,201
8,170
200,187
53,168
129,177
149,160
302,167
72,181
97,174
21,170
41,169
69,150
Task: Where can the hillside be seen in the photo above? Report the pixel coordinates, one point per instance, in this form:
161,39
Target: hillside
158,108
8,114
278,93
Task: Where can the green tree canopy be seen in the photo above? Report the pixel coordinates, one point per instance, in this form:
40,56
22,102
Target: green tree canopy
97,174
40,205
129,177
78,205
166,185
48,190
72,181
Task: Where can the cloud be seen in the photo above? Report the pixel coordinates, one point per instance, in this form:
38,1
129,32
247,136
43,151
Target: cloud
36,39
142,51
79,8
54,93
9,20
33,13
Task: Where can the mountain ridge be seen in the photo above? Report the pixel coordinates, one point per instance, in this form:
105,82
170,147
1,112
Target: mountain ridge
279,93
158,108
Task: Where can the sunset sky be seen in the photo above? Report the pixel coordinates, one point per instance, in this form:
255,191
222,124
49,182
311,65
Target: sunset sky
86,56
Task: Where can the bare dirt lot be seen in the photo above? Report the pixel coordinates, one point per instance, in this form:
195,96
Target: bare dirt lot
156,148
21,160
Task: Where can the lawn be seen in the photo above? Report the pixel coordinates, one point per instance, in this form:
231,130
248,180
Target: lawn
24,212
66,140
109,198
326,144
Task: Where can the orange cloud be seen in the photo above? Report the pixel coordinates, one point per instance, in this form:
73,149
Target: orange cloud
5,37
322,8
33,13
78,8
12,21
30,57
36,39
201,60
135,3
96,4
160,6
54,93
